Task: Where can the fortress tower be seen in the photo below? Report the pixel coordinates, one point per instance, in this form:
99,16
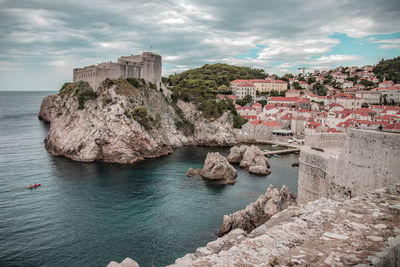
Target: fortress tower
146,66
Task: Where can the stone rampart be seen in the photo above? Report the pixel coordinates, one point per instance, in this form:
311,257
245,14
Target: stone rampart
348,165
325,140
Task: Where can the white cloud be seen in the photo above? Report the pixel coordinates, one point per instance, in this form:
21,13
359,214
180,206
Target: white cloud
389,46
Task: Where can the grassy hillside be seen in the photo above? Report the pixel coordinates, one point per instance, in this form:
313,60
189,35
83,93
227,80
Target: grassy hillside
389,68
200,86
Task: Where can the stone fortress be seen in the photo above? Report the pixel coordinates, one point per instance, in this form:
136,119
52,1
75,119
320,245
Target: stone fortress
146,66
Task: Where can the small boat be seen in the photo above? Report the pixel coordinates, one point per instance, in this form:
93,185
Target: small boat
274,145
33,186
275,155
268,156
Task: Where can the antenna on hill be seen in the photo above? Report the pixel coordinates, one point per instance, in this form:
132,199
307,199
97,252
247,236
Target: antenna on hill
303,68
151,48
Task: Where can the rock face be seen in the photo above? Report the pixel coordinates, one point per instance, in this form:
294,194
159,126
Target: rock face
362,231
123,123
251,158
236,153
209,133
128,262
216,167
192,172
257,213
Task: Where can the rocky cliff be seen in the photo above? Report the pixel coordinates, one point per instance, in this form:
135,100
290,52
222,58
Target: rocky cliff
125,121
362,231
257,213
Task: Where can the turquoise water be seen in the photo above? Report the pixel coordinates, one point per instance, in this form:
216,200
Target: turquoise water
88,214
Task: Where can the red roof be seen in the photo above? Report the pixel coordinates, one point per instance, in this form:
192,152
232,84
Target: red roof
333,130
393,126
284,99
245,85
256,122
272,124
287,116
257,104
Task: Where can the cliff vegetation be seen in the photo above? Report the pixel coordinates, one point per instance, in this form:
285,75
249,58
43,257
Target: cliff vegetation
389,68
201,86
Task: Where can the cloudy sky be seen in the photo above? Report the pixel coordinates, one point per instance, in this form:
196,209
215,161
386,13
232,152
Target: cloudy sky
41,41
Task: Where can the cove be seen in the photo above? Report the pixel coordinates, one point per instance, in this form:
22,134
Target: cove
88,214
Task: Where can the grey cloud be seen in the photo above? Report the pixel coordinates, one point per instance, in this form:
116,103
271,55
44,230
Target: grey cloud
62,34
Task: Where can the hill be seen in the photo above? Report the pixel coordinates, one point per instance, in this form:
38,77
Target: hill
389,68
200,86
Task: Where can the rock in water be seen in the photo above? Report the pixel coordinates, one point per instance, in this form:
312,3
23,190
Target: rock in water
254,161
192,172
259,212
236,153
216,167
128,262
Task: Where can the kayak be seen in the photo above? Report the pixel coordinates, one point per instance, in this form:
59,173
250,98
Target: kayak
33,186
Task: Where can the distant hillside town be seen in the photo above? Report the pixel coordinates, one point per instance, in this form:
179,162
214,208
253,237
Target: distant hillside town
323,101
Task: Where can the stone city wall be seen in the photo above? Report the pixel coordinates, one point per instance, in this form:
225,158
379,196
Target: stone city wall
365,160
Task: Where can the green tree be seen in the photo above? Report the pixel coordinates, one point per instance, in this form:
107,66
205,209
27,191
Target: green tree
224,89
389,69
246,100
366,83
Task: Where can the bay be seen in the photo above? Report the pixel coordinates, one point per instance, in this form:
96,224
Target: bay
88,214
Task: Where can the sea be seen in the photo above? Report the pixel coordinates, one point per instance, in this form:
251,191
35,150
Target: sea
88,214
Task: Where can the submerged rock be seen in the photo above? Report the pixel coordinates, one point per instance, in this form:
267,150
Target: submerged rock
254,161
257,213
216,167
128,262
192,172
236,153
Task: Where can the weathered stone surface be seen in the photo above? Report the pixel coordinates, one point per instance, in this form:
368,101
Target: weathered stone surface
128,262
209,133
257,213
254,161
236,153
105,130
192,172
349,165
320,233
216,167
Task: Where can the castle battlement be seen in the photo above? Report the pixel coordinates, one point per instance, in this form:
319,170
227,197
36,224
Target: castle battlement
146,66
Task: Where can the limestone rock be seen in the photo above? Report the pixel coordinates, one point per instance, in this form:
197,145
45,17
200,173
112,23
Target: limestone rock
236,153
209,133
216,167
319,233
254,161
128,262
192,172
257,213
107,130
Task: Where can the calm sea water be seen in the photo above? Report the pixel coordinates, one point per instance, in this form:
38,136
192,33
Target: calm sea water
88,214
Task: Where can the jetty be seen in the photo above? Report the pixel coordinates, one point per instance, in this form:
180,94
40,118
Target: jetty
280,152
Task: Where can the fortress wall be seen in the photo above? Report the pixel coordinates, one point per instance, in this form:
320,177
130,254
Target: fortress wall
147,66
326,140
371,159
364,161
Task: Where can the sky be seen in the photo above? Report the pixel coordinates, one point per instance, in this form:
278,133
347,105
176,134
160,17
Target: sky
42,40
